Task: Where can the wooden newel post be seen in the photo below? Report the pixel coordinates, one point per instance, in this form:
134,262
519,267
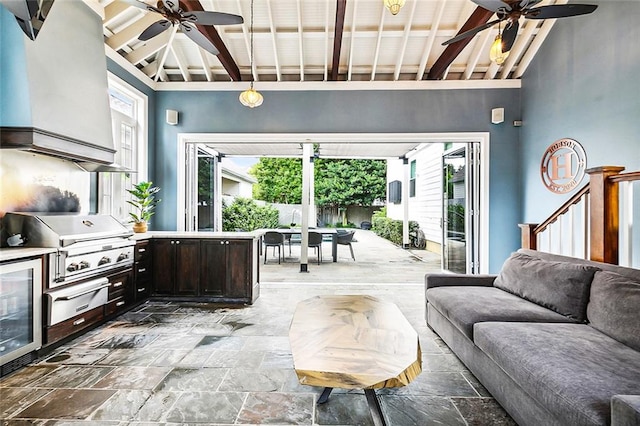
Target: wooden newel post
529,239
604,213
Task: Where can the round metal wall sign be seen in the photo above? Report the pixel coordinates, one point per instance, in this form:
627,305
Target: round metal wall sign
563,165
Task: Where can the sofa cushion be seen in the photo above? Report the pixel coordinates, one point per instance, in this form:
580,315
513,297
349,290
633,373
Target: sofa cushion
572,369
465,306
560,286
614,307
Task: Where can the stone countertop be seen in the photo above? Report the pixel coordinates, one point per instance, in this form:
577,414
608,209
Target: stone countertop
13,253
198,235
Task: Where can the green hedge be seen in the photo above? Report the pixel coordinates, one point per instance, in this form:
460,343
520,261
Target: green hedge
244,214
390,229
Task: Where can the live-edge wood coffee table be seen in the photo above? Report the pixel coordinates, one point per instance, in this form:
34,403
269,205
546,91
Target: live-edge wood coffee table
353,342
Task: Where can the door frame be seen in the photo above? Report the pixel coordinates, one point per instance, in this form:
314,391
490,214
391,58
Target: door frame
275,138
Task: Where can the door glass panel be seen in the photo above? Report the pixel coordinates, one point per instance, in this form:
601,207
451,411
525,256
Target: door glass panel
454,253
206,189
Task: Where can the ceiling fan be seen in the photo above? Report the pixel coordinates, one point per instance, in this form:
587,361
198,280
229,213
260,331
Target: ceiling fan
512,10
174,15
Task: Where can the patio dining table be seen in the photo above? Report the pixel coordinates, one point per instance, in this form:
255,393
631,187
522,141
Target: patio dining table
324,231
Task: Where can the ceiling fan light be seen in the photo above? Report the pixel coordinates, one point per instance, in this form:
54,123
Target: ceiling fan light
495,53
394,5
251,98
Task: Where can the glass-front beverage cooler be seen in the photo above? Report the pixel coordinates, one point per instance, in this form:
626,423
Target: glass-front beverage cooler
20,313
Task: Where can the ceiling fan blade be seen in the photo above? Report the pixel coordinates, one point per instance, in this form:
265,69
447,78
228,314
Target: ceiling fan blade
471,32
142,5
559,11
213,18
198,38
154,29
492,5
509,36
24,10
172,5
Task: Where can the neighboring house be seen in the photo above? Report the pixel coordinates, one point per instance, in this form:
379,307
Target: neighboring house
236,182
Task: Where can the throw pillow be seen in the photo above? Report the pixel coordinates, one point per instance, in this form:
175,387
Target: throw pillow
614,307
560,286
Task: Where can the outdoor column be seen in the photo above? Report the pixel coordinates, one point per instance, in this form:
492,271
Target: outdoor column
405,203
217,190
306,174
313,217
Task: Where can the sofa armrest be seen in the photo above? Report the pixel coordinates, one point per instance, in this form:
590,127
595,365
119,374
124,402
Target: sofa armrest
443,280
625,410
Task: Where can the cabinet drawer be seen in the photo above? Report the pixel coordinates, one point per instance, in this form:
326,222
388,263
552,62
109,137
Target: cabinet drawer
118,284
74,324
143,289
142,251
114,306
143,270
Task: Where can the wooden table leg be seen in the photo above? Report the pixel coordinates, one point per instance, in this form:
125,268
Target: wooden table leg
374,407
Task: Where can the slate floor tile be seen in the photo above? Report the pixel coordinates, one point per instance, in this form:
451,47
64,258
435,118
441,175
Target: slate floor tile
187,379
277,408
77,356
72,377
66,404
123,406
155,408
246,380
25,376
17,399
211,407
344,409
483,412
414,409
133,378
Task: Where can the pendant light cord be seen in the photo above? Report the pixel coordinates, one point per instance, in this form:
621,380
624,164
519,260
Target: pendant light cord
251,45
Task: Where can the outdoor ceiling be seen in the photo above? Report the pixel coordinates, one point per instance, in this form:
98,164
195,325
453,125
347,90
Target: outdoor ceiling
294,42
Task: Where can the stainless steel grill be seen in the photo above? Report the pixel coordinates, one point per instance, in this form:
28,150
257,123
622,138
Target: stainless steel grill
87,246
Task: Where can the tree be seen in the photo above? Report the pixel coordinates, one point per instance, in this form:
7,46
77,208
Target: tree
279,180
338,183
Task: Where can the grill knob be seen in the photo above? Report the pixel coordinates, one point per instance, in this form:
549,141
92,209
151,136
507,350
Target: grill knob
104,261
122,256
84,264
73,267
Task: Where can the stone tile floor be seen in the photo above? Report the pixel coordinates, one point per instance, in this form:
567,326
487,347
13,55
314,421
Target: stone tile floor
184,363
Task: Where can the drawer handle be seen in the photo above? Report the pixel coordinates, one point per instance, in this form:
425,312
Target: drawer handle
120,303
140,290
141,250
78,322
142,270
74,296
118,284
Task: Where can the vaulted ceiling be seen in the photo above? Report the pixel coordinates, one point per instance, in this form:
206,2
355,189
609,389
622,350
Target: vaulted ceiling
324,41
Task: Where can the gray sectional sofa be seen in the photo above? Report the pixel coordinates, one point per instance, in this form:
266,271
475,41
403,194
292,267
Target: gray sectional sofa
556,340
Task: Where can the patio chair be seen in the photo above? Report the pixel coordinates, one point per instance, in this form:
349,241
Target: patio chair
346,239
315,241
287,237
273,239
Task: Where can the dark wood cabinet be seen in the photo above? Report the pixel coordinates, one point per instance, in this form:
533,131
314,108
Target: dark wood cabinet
176,266
142,270
230,269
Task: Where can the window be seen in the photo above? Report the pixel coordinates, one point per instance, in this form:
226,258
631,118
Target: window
129,124
412,179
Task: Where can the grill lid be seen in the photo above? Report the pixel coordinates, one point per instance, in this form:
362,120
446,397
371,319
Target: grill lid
61,230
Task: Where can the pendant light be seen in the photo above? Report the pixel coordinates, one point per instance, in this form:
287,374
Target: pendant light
394,5
251,97
495,53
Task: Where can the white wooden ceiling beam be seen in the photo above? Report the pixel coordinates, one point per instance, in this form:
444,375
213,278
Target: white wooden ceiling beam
150,47
275,45
481,47
376,55
165,52
327,45
405,39
300,41
131,33
180,59
352,40
206,65
113,10
435,25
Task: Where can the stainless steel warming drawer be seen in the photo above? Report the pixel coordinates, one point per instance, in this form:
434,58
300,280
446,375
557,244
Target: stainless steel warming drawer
68,302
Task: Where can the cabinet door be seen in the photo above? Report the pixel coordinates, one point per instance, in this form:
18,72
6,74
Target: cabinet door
213,263
187,269
238,269
164,266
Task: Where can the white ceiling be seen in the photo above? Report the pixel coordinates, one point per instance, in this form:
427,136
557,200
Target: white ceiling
294,40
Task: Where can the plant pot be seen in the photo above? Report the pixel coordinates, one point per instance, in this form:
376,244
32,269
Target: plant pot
140,227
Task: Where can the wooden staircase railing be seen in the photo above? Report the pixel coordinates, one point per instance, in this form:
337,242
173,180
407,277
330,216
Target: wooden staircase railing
601,200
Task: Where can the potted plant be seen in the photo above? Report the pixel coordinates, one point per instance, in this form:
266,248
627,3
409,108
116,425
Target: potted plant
144,200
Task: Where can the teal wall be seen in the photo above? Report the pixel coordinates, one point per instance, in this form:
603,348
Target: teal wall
583,84
14,84
355,112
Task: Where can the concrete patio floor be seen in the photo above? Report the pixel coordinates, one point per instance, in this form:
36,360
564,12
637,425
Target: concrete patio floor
377,261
